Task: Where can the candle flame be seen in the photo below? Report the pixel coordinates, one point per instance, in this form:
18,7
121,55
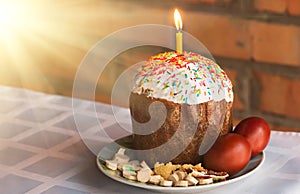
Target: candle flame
177,19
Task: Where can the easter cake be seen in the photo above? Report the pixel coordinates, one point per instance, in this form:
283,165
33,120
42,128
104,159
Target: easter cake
197,97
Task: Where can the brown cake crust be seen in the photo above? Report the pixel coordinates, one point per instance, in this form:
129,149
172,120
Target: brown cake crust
212,118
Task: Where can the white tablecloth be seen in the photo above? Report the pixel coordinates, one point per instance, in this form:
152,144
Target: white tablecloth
41,150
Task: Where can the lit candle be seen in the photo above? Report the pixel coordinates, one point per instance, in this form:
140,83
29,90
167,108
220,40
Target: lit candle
178,24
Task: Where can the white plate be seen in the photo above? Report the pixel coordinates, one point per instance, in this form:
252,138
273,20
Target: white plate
109,150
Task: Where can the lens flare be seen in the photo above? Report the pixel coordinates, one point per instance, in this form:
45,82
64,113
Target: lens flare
38,36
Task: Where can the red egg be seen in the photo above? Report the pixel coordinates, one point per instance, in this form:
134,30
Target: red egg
257,131
230,153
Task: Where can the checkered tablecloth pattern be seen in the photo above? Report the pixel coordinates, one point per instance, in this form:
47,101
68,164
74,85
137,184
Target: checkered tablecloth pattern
41,150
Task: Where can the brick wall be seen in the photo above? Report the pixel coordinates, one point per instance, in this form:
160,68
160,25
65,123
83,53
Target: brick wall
262,55
257,43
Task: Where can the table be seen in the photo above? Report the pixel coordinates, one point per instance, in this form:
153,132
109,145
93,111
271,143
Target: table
42,150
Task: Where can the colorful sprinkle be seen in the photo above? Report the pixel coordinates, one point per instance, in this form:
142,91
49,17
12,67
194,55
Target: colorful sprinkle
168,74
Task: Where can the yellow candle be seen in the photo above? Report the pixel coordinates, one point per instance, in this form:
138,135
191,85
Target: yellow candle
179,42
178,23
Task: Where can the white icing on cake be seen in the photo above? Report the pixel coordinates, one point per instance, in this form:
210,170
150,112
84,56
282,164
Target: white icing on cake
183,78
